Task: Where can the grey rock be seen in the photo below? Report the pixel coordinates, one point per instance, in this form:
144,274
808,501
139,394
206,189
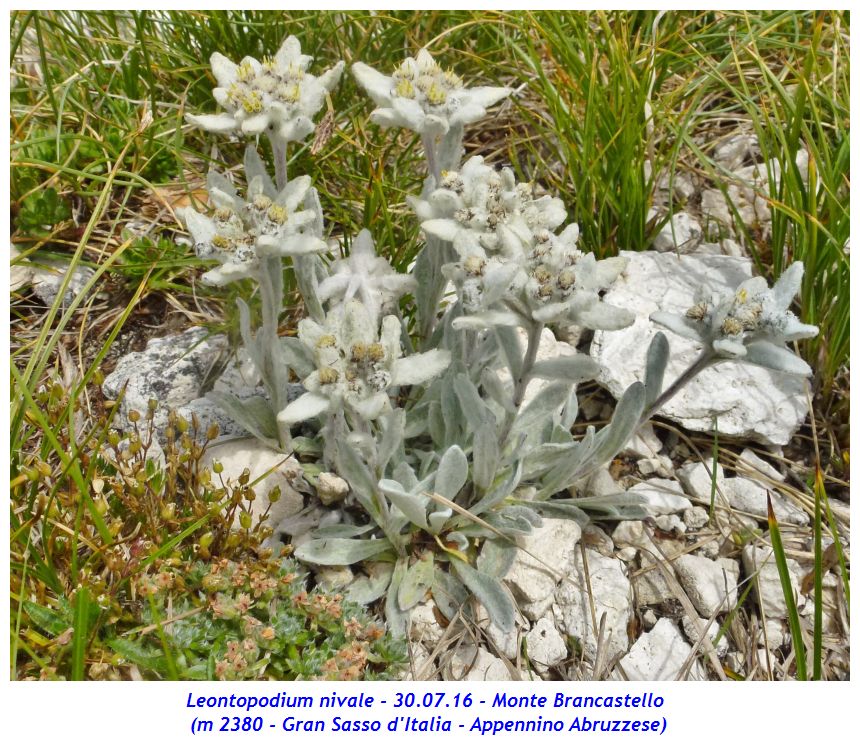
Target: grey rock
170,370
682,233
46,282
533,581
709,586
546,647
760,564
696,518
609,588
423,625
693,629
660,654
473,664
661,496
749,496
749,401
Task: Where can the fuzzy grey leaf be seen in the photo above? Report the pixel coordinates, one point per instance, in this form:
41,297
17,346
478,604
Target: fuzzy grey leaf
452,473
393,429
340,551
416,582
367,589
485,452
449,594
496,558
573,368
655,367
254,414
490,593
396,619
350,465
501,492
768,355
411,504
541,410
509,341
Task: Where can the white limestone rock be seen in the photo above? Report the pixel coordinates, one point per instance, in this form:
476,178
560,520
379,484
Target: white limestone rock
601,484
696,518
757,468
670,524
709,586
610,589
734,151
749,496
423,625
334,577
331,488
661,496
421,667
693,629
749,401
532,581
644,444
660,465
760,562
660,654
472,664
682,233
276,469
47,281
545,646
507,643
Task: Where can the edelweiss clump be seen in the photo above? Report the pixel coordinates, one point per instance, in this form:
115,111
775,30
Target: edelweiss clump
277,94
241,232
513,268
480,209
366,276
752,324
356,365
423,97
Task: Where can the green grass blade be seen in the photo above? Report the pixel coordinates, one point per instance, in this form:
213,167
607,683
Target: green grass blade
790,603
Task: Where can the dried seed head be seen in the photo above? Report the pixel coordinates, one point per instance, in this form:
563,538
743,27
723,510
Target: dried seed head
474,265
328,375
358,352
262,203
566,279
732,326
376,352
542,274
697,311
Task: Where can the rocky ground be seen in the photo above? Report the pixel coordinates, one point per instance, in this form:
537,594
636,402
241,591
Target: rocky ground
693,591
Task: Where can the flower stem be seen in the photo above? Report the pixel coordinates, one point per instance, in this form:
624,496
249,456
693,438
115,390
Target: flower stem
705,359
279,153
528,363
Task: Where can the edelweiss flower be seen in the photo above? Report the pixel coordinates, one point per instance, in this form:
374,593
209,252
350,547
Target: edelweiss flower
277,93
752,324
240,232
480,210
355,366
365,276
423,97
